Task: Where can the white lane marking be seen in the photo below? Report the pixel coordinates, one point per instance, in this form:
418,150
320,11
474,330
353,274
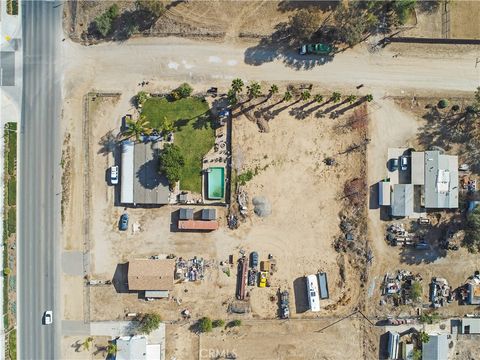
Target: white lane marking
214,59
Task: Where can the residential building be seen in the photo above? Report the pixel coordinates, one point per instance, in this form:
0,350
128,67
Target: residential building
436,348
151,275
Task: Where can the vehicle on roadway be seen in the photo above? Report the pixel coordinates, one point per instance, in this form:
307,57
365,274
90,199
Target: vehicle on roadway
48,317
123,222
114,175
315,49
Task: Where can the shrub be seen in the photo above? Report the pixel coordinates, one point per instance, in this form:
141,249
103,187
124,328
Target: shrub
244,177
149,323
218,323
472,230
442,104
205,324
141,97
416,292
155,7
183,91
7,271
455,107
235,323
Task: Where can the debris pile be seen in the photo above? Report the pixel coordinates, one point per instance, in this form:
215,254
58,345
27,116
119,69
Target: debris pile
242,198
440,292
397,287
190,270
232,221
262,206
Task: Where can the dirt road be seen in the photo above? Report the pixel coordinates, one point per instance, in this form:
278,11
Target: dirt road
174,59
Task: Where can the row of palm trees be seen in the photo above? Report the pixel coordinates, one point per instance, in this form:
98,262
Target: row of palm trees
254,90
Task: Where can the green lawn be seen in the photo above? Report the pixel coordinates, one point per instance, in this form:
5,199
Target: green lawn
12,345
11,221
12,191
194,134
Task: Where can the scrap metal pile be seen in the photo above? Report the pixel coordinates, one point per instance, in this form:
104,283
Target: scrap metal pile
398,235
190,270
440,292
396,288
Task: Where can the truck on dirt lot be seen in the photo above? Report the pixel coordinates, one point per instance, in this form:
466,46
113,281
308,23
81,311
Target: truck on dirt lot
315,49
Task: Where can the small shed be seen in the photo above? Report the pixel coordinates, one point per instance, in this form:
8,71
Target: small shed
209,214
384,190
473,294
470,326
186,214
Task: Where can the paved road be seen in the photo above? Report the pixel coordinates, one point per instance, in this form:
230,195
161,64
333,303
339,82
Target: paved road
38,173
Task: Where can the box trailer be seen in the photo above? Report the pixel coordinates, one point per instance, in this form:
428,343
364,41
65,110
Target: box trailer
198,225
323,285
384,193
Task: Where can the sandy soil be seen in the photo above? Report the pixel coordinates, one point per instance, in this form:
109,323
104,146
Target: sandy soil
464,17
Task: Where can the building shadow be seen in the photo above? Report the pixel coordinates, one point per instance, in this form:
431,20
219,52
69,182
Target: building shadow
412,256
373,197
120,279
383,346
300,293
174,217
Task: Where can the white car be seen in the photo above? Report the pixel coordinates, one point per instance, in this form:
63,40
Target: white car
48,317
114,175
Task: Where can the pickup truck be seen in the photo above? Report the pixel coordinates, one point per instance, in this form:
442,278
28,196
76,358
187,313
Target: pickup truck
315,49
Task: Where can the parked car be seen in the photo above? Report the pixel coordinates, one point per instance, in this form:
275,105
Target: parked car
114,175
254,259
393,164
404,163
123,222
48,317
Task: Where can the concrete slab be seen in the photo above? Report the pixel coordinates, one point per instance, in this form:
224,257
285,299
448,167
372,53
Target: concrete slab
7,68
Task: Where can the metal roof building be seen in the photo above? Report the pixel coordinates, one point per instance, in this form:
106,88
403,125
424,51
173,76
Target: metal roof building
131,348
141,182
473,294
441,180
436,348
470,326
209,214
402,200
186,214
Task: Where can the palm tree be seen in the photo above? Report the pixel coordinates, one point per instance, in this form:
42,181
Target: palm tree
287,96
254,90
305,95
111,349
167,125
137,128
87,342
273,90
351,98
336,97
318,98
369,97
237,85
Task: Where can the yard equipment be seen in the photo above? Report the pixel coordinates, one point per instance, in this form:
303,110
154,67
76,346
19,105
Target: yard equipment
263,279
316,49
265,266
252,277
284,305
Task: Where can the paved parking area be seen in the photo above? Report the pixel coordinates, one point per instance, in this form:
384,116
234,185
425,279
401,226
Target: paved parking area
398,176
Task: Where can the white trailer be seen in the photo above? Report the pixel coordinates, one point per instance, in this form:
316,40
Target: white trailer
312,289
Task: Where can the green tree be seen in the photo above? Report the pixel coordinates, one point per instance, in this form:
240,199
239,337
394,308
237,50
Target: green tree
336,97
87,342
477,97
254,90
171,163
287,96
103,22
232,97
472,230
304,23
151,321
403,9
369,97
416,291
423,337
137,128
218,323
417,354
305,95
442,104
351,98
154,7
237,85
167,125
318,98
235,323
111,349
205,324
273,90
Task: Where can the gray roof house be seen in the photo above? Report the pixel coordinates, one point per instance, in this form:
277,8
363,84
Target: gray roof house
402,200
436,348
441,180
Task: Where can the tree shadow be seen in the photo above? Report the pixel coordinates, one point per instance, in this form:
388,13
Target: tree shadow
280,45
108,142
412,256
149,176
77,345
286,6
203,121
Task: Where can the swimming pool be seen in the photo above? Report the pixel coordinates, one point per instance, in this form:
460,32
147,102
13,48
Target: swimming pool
216,183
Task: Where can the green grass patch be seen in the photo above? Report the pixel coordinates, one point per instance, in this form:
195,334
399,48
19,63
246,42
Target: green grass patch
194,134
11,149
12,191
11,221
12,345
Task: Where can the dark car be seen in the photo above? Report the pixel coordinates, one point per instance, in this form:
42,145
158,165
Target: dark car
393,164
254,259
123,222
